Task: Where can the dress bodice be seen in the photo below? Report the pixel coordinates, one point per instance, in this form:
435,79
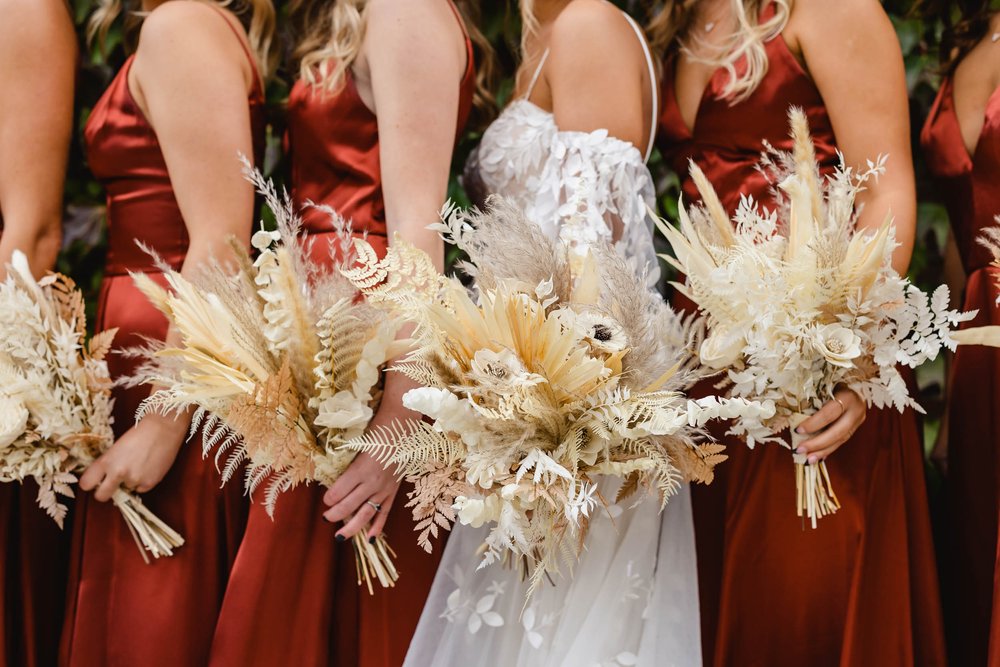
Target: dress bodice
333,144
969,184
124,155
574,185
727,139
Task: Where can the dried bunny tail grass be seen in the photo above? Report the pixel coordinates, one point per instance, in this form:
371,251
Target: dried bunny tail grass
502,244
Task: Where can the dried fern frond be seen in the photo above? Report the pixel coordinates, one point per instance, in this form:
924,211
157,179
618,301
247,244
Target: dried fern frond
559,366
55,405
280,360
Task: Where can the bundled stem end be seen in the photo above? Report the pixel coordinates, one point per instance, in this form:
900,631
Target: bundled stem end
373,560
151,534
814,496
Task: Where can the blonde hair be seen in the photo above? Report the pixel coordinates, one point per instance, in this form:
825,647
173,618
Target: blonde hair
329,35
257,16
671,25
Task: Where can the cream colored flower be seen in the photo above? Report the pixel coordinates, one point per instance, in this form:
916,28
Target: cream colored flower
262,240
477,511
603,334
838,345
343,411
721,349
502,370
13,419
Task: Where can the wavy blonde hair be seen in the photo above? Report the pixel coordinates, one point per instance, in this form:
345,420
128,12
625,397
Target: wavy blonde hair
670,27
328,35
257,16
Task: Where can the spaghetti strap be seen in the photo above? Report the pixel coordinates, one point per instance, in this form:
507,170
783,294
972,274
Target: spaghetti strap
538,72
469,55
241,38
652,84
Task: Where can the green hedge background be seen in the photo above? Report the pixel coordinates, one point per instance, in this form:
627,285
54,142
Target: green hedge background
84,242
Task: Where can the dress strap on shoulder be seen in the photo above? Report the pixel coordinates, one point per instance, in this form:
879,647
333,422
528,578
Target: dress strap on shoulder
538,72
652,84
242,39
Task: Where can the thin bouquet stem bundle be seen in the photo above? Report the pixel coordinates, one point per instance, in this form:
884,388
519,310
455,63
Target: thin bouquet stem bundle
798,302
55,401
280,361
560,367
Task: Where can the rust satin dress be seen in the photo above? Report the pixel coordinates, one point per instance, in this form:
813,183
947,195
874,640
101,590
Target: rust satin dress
970,186
293,597
122,612
861,590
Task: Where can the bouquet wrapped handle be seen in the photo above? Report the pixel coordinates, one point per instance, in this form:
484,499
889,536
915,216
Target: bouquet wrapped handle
814,496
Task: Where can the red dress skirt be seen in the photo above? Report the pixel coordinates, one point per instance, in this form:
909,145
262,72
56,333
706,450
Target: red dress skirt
862,588
121,611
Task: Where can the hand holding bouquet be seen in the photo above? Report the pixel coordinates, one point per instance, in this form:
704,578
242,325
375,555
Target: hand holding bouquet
281,361
559,367
55,401
800,303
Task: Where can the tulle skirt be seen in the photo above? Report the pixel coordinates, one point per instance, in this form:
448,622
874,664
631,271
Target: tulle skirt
632,599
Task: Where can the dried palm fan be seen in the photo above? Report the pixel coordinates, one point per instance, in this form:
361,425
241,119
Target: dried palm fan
280,361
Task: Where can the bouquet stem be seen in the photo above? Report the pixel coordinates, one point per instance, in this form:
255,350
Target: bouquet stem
814,496
151,534
374,561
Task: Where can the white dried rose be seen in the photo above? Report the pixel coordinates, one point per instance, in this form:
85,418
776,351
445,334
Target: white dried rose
721,349
477,511
838,345
343,411
13,419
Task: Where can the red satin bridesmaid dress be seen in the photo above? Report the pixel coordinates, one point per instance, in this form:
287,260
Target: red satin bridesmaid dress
970,186
861,589
121,611
33,562
293,597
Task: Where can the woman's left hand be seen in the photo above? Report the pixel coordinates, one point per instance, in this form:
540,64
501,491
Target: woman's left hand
832,425
365,483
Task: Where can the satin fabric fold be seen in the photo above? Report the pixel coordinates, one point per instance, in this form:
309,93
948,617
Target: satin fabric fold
970,188
122,612
862,588
293,597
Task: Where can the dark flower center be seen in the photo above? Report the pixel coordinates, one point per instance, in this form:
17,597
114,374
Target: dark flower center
602,333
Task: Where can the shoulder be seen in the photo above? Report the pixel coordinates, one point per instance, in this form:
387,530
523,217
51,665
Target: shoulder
187,24
593,26
33,19
185,36
826,16
409,15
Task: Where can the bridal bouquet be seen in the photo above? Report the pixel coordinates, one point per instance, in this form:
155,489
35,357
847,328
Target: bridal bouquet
559,367
799,303
55,399
280,361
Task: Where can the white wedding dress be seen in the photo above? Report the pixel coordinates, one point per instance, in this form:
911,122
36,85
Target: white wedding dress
633,595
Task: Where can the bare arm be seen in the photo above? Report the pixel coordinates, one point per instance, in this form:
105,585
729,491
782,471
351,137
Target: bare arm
595,73
191,78
852,53
37,71
415,54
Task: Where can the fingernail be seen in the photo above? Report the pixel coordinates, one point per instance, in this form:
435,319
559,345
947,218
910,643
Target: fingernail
371,540
800,450
813,460
800,430
341,538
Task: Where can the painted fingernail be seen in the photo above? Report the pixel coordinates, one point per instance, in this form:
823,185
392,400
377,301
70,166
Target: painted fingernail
341,538
371,540
800,450
800,430
813,460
